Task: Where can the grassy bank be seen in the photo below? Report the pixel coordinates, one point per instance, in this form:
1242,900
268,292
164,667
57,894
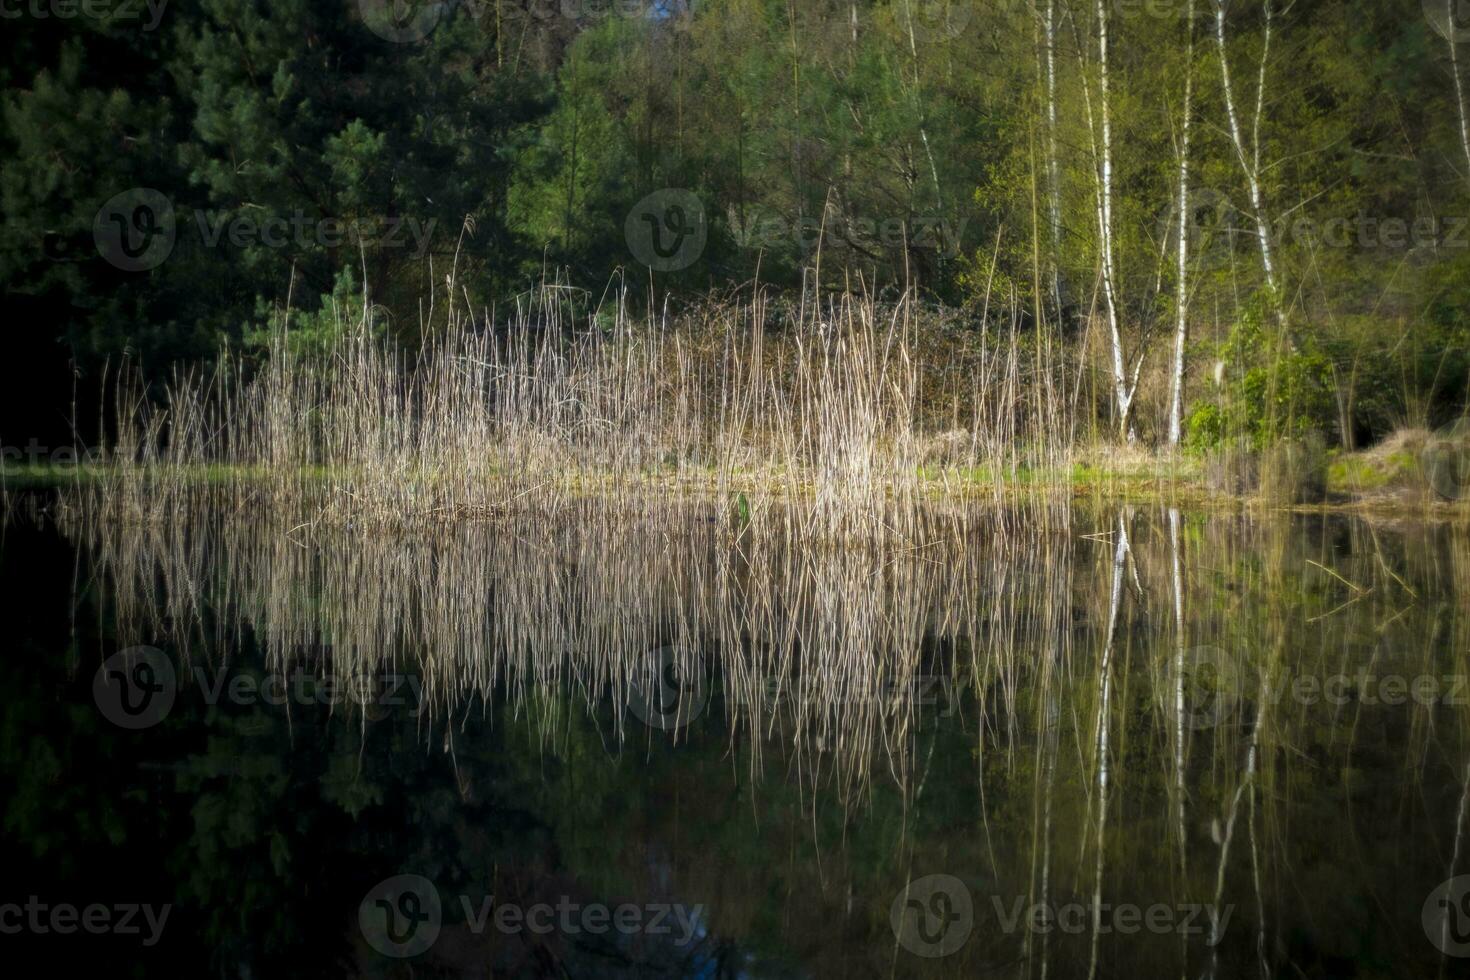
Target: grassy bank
1380,480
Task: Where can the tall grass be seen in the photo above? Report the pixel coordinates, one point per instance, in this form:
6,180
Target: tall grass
828,401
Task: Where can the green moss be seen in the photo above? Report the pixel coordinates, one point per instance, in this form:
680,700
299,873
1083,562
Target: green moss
41,476
1359,472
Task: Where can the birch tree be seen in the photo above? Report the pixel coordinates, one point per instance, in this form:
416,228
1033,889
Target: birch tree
1181,311
1053,178
1124,384
1249,158
1448,29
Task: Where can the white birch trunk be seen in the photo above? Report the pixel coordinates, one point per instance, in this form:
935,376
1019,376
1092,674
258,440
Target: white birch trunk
1053,179
1449,33
1181,321
1122,390
1250,163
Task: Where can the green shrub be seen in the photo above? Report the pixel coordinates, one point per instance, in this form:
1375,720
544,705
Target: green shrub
1206,427
338,314
1272,390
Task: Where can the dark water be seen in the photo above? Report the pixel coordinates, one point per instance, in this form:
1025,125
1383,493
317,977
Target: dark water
1064,742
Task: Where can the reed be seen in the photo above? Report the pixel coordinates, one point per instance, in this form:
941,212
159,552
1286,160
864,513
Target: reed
853,409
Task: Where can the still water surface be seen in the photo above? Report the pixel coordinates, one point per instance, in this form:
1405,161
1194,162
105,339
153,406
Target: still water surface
1064,741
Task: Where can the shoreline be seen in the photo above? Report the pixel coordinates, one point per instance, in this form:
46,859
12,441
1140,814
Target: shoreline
1138,479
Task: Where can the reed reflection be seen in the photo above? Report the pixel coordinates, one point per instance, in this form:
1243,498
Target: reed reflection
1137,738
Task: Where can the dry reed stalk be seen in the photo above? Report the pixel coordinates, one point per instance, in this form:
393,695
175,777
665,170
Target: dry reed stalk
837,412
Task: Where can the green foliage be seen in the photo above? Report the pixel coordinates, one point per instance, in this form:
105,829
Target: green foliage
339,314
741,511
1273,389
820,138
1206,426
289,140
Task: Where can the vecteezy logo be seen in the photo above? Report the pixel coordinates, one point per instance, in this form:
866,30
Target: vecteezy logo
135,230
933,916
1211,686
667,230
935,20
135,688
401,916
402,21
1446,460
669,689
1206,227
1446,916
1449,18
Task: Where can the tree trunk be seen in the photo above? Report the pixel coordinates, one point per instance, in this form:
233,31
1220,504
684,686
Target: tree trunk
1250,163
1181,320
1122,390
1449,33
1053,179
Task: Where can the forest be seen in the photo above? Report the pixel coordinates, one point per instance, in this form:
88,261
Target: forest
1193,222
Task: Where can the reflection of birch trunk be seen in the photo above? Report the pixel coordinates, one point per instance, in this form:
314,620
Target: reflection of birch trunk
1181,313
1051,778
1120,555
1444,922
1247,790
1180,728
1256,883
1051,717
1250,773
1041,830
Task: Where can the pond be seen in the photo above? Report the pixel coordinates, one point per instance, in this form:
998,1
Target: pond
1054,739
